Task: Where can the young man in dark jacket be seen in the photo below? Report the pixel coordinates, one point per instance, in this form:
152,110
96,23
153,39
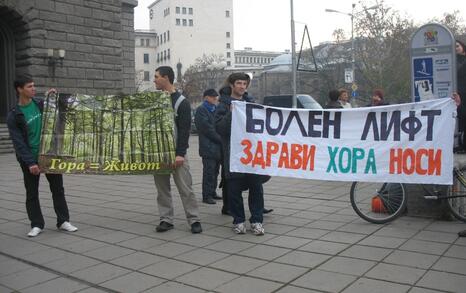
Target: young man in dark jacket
210,145
237,182
24,124
163,79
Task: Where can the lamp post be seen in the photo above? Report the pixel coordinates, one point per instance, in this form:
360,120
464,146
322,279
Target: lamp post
294,101
353,59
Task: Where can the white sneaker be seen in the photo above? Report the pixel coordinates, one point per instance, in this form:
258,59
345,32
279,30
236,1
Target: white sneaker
34,232
239,228
68,227
257,229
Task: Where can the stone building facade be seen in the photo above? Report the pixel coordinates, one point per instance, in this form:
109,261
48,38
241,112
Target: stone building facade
94,37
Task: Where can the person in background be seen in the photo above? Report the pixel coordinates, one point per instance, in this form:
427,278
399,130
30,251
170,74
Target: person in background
24,125
344,99
333,102
461,89
377,99
210,145
163,79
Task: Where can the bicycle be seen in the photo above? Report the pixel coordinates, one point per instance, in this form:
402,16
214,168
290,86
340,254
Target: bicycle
380,203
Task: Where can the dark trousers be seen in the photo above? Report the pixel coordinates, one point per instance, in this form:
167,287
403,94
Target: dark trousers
210,168
31,182
255,198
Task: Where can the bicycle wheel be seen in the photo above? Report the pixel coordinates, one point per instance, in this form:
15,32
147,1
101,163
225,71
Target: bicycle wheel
457,196
378,203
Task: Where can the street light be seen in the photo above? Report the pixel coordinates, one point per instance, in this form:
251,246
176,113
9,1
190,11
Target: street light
352,14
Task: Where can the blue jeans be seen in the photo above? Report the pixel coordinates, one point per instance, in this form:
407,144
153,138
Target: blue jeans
255,198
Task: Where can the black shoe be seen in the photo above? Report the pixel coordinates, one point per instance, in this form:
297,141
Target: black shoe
209,200
266,211
163,227
225,212
196,228
462,233
217,197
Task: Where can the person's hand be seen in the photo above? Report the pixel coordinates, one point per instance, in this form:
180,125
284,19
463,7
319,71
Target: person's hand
34,169
51,91
179,161
456,97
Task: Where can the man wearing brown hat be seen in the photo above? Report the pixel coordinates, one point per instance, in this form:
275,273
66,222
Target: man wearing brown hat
210,145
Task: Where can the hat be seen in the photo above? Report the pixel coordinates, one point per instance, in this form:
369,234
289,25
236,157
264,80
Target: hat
210,93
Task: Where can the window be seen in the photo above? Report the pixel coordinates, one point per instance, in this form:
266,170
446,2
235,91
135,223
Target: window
165,37
178,21
168,36
184,10
227,13
177,10
146,58
228,54
228,45
228,63
164,54
190,10
191,22
158,57
142,42
146,75
168,54
147,42
228,34
185,23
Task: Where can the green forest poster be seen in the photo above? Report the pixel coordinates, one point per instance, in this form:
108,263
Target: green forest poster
122,134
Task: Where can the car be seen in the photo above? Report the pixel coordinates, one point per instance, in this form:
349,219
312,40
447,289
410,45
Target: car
285,101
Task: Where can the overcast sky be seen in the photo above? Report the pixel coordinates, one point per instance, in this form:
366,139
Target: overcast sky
265,24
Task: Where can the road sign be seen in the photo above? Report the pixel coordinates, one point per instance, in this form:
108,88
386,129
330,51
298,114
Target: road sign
354,87
354,94
433,63
349,75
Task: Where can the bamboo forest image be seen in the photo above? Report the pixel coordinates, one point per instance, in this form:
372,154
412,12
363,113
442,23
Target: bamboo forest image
126,134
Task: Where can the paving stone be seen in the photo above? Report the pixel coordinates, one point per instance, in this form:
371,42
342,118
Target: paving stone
11,266
207,278
325,225
172,287
278,272
326,247
169,249
293,289
83,245
132,282
302,258
71,263
443,281
425,246
264,252
201,256
436,236
452,265
169,269
108,252
382,241
342,237
247,284
422,290
366,252
26,278
347,265
100,273
229,246
364,285
198,240
412,259
398,232
287,241
456,251
137,260
394,273
324,281
238,264
308,233
140,243
56,285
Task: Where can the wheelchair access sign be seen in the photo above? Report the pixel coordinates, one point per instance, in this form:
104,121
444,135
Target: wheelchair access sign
433,63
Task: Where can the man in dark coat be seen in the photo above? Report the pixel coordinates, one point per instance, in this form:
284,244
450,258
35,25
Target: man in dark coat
210,145
237,182
333,102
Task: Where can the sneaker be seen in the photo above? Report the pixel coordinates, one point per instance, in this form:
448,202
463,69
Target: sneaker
209,200
34,232
196,228
163,227
257,229
239,228
68,227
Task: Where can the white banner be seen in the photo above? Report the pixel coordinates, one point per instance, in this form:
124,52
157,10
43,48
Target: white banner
407,143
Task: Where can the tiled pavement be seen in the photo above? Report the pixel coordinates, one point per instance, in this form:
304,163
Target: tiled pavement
314,242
